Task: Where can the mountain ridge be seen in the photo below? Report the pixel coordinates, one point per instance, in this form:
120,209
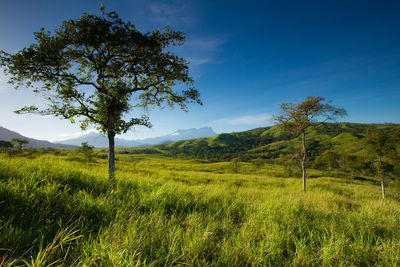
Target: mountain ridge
8,135
100,140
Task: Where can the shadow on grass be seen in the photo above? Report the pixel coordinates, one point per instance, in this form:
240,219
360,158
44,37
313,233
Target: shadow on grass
36,203
368,180
34,219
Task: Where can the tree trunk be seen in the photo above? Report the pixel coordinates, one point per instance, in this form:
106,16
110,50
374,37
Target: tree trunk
111,158
111,152
382,176
303,162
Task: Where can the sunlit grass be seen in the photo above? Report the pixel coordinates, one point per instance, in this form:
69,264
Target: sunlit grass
167,211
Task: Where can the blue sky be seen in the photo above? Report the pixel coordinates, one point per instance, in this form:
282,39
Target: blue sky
246,58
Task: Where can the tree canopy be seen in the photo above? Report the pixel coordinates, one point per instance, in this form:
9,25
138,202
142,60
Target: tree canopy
298,117
381,147
98,68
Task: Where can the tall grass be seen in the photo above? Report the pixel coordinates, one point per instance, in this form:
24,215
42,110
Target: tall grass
166,211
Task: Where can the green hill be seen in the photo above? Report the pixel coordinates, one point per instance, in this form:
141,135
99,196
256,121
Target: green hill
269,142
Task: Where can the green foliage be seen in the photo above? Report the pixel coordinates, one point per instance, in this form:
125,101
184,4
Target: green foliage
291,163
381,147
87,151
19,143
98,68
91,67
380,143
328,160
298,117
5,144
66,213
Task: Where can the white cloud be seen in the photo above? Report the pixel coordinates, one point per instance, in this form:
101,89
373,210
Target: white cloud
76,134
201,50
171,12
199,61
204,44
255,119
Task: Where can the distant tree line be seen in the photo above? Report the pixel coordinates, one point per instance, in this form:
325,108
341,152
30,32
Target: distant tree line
16,143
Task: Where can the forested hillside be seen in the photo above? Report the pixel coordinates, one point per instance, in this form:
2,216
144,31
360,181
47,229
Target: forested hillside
331,146
269,142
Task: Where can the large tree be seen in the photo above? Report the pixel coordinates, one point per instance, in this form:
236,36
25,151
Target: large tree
97,68
298,117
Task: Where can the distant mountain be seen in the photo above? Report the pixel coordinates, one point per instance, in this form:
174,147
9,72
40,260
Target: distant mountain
96,140
178,135
100,140
7,135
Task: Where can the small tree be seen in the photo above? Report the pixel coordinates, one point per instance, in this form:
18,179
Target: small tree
354,164
87,151
19,143
290,163
298,117
321,163
380,145
97,68
328,160
235,164
258,163
5,144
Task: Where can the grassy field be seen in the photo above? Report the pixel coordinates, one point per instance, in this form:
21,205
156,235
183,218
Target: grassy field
167,211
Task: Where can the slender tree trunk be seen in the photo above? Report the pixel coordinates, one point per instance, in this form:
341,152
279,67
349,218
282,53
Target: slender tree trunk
303,162
111,151
382,176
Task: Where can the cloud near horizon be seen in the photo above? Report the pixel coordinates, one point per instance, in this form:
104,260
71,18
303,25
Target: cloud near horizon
64,136
263,118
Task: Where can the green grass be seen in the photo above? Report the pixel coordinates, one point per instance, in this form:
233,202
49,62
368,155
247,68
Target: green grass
167,211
